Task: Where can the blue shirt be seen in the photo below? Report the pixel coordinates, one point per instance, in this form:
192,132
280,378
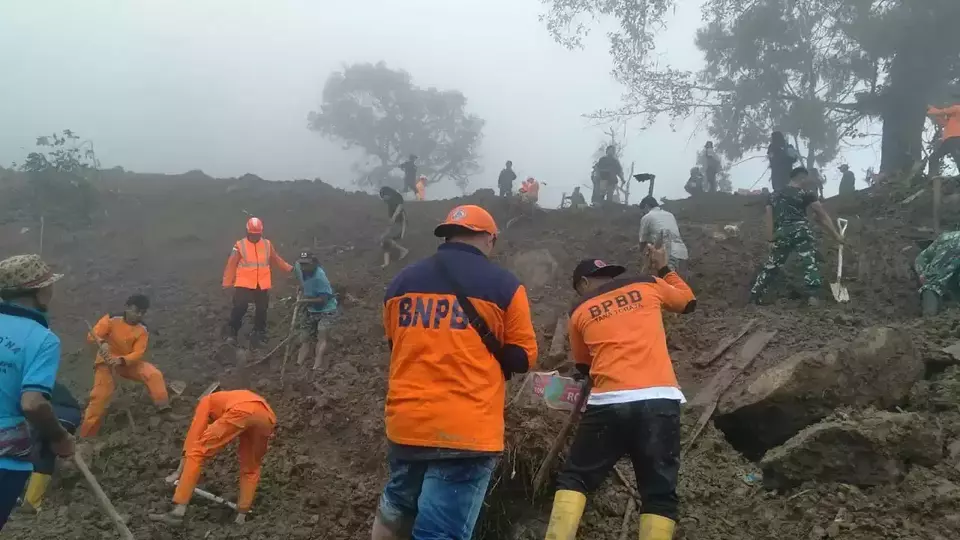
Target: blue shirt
29,359
316,286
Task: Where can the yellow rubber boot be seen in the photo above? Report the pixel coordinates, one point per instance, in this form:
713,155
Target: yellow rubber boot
36,489
654,527
565,517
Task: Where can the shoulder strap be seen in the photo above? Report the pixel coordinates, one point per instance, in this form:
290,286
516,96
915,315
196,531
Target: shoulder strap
473,317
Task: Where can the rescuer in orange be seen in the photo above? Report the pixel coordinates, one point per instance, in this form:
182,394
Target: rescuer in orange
248,273
617,339
949,119
235,414
422,188
458,326
122,343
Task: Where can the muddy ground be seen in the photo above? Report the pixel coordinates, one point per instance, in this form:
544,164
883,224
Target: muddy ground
168,236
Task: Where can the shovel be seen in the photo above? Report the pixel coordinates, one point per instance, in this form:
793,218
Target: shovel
840,293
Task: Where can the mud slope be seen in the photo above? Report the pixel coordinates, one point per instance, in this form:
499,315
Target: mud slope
168,236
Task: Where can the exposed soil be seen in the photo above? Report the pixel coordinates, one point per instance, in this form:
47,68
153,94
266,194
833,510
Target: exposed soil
169,236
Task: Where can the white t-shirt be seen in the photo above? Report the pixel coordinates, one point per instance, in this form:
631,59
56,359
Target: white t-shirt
658,220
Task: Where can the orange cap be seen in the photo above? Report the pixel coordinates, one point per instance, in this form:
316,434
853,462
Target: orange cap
254,226
468,216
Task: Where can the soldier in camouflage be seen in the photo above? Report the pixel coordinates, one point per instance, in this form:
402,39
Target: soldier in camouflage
788,231
938,267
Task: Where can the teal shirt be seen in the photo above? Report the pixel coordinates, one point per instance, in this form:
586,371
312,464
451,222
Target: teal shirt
316,286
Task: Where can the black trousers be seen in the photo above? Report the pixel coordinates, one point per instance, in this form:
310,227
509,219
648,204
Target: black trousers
241,299
506,190
949,147
646,431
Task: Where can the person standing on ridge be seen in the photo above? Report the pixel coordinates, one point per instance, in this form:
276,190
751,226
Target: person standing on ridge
122,344
30,358
949,119
609,175
409,168
320,306
711,166
848,182
506,179
617,339
248,273
390,240
782,156
658,223
458,327
422,188
788,231
69,413
234,414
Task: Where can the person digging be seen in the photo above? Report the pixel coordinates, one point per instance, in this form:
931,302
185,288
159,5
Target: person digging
319,305
788,231
938,269
235,414
617,339
389,241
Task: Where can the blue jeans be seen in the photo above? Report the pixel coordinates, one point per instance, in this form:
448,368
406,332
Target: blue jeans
11,487
435,500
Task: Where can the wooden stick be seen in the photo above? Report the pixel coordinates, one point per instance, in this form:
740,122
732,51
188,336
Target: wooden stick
273,351
293,325
105,503
709,358
721,382
41,234
627,514
561,439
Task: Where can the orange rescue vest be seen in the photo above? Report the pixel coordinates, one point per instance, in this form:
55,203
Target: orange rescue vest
253,269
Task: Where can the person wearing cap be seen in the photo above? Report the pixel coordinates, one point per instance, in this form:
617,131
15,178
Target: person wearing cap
248,274
658,223
30,357
397,229
617,339
447,379
319,308
122,341
848,182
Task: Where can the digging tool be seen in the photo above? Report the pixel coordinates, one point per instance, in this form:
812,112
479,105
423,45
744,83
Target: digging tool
211,497
561,439
293,327
840,293
102,498
118,387
178,387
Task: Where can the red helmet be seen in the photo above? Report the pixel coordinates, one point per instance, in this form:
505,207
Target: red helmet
254,226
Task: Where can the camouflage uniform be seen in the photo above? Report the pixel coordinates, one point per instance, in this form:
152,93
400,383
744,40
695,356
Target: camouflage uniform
940,262
791,234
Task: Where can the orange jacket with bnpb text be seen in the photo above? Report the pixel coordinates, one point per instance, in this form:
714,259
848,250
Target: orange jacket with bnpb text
445,388
249,265
618,332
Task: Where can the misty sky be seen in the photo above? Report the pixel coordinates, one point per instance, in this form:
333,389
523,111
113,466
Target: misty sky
226,85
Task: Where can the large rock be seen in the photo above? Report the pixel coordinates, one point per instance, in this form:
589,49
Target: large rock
535,268
877,369
867,451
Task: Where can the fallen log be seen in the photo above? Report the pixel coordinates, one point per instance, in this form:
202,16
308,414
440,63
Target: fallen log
560,440
711,394
709,358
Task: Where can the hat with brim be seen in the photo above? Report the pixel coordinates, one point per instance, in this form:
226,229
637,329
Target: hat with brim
467,217
595,268
26,272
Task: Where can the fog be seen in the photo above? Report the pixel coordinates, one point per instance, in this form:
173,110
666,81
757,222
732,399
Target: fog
226,86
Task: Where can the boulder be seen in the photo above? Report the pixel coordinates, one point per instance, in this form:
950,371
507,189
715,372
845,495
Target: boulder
874,449
535,268
877,369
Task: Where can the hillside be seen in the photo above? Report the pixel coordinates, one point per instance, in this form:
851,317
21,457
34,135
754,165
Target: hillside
169,236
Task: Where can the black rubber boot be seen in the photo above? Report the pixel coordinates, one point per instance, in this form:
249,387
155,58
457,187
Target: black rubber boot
930,303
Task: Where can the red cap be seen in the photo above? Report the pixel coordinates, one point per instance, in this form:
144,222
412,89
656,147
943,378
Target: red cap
470,217
254,226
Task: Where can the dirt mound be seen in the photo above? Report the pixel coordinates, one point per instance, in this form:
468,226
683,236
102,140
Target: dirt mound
169,236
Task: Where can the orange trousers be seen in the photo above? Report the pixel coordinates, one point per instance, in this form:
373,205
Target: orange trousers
250,422
103,387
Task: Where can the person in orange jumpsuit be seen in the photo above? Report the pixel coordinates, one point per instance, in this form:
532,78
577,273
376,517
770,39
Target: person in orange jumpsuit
422,188
122,343
949,119
248,274
235,413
